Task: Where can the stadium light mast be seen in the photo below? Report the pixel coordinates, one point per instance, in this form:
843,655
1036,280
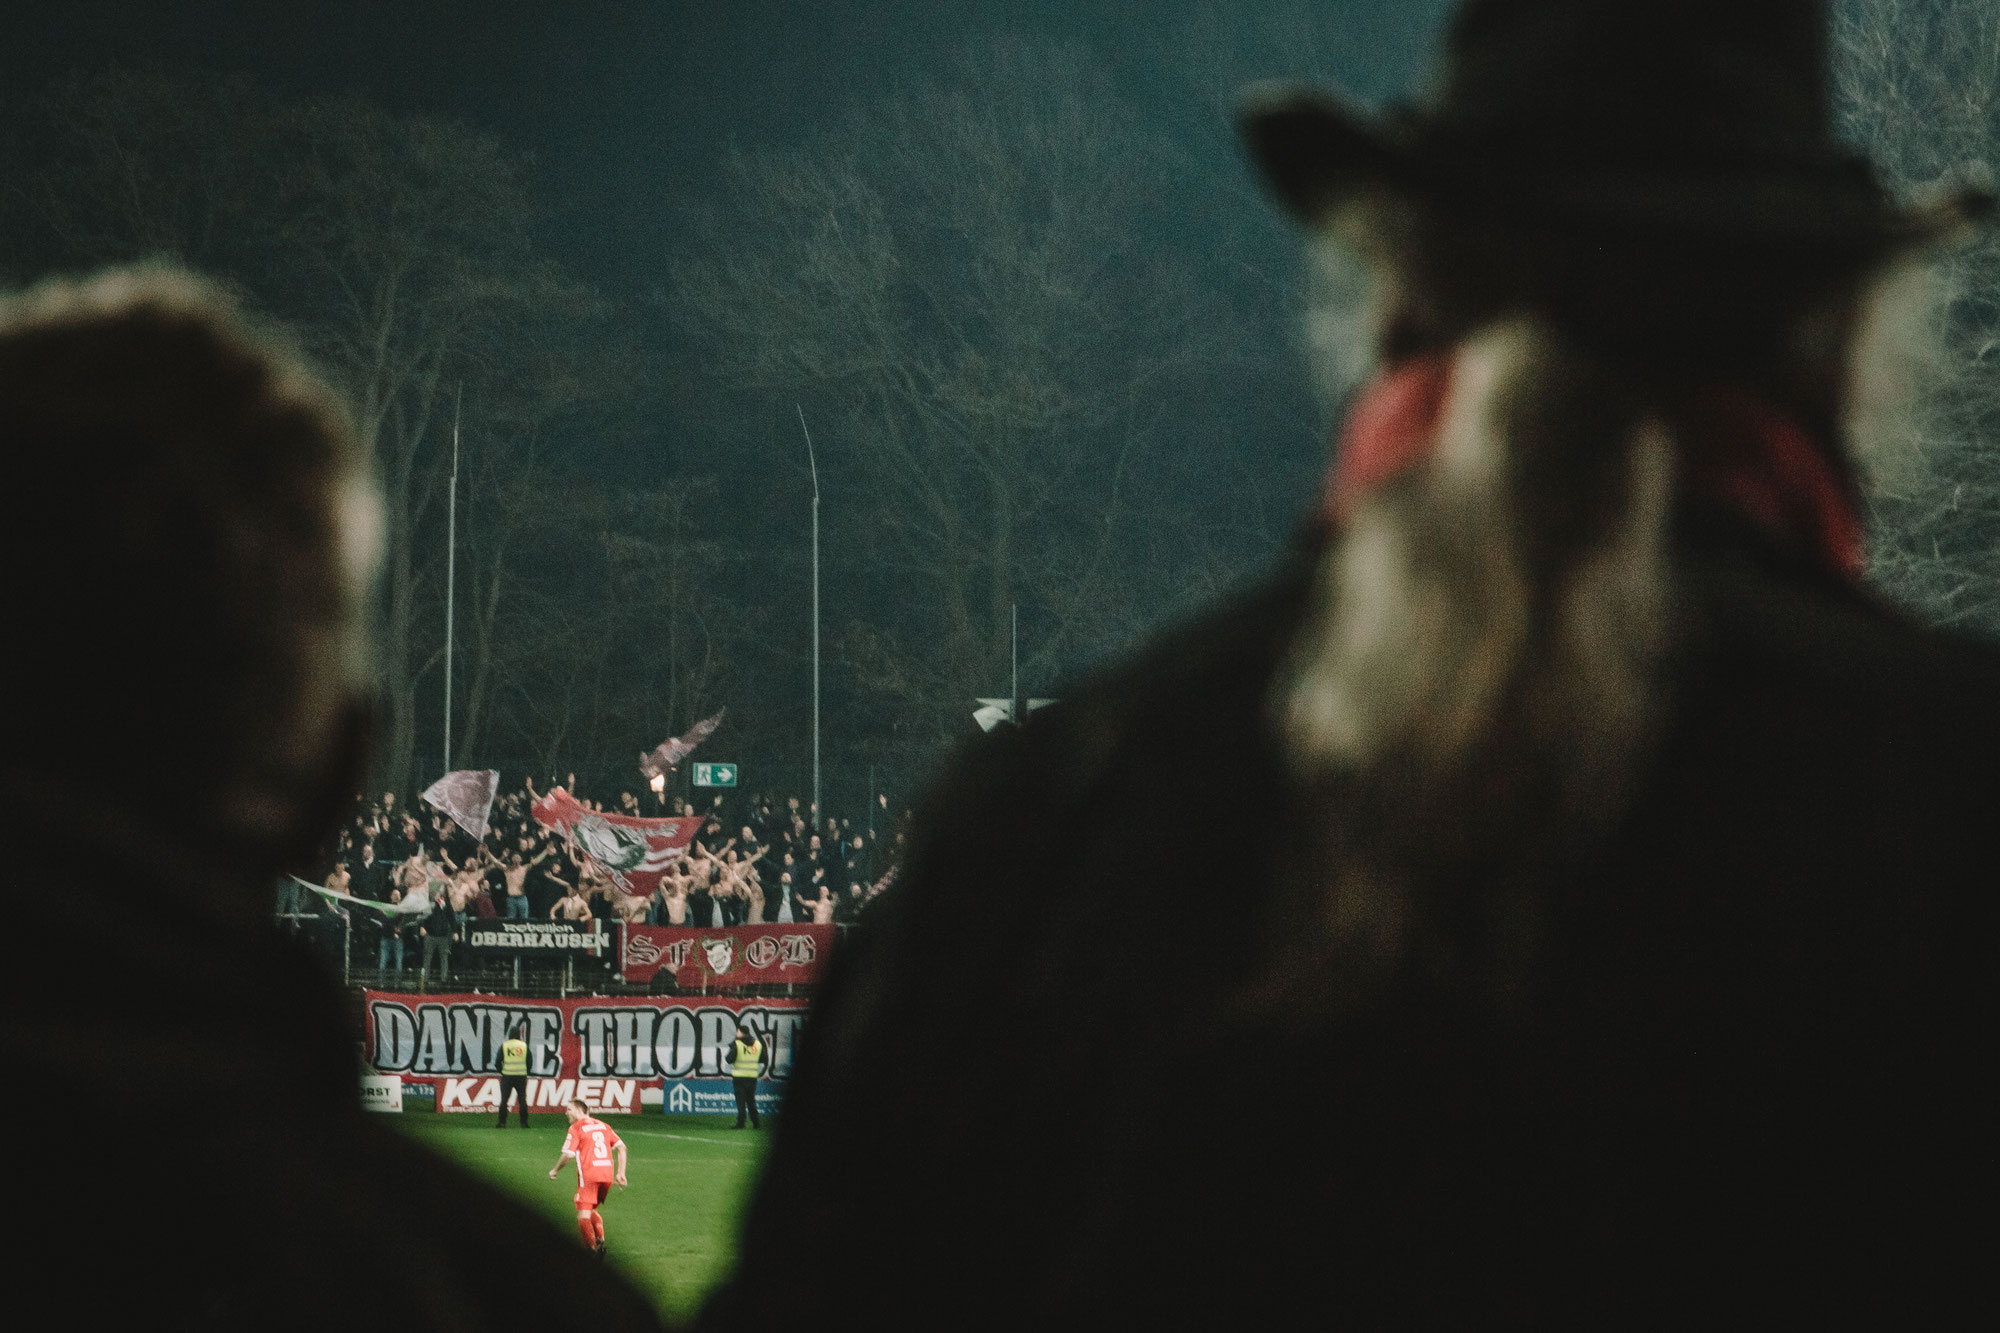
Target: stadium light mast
1015,708
813,463
451,568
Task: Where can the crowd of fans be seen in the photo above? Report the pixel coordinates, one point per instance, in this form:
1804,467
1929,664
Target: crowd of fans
757,859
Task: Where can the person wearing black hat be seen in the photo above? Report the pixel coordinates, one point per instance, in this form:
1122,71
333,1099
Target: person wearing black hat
1617,943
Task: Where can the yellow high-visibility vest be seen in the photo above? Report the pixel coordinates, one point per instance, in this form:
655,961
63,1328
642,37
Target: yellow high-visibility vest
747,1054
514,1056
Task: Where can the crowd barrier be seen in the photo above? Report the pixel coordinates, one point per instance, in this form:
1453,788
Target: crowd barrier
564,957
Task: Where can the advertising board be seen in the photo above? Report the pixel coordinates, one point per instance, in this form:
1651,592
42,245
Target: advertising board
381,1092
608,1050
709,1096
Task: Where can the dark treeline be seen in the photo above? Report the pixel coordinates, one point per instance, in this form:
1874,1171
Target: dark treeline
398,252
1918,88
1044,333
1023,377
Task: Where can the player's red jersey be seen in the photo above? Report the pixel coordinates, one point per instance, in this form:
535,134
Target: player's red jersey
592,1141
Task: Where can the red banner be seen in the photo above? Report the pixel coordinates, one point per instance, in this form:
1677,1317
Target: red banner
726,956
601,1048
631,850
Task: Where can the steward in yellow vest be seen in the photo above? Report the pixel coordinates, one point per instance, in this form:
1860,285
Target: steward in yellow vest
746,1053
514,1076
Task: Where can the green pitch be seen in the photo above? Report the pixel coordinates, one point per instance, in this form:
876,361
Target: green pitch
672,1230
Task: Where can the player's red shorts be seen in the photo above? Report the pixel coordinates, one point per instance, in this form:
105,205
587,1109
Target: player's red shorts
591,1193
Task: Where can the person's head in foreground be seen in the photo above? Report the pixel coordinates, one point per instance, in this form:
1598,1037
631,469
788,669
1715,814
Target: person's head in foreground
180,481
1623,291
576,1109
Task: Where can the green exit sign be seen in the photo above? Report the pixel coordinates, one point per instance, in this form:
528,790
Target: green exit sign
715,775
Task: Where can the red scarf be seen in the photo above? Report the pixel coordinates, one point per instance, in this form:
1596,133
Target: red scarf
1737,449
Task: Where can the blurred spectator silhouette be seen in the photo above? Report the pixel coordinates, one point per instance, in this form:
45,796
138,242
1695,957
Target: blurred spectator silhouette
1610,930
193,530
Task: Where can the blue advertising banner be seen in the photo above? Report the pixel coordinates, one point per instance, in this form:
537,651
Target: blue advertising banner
714,1096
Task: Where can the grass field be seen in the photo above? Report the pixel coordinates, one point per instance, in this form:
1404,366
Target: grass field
672,1231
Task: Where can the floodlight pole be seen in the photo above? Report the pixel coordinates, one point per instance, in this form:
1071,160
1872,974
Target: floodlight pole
1014,703
813,463
451,569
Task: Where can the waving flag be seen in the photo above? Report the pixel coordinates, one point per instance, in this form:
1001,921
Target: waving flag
416,905
467,796
633,851
668,754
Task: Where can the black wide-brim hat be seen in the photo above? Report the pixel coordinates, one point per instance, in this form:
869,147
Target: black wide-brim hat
1706,119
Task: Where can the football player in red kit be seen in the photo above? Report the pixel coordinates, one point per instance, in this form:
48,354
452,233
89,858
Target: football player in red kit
594,1145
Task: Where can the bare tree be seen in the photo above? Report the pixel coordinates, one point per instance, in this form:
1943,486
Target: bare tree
554,372
395,249
959,284
1918,83
140,165
409,267
672,570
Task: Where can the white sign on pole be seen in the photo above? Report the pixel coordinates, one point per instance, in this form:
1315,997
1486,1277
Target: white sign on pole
992,712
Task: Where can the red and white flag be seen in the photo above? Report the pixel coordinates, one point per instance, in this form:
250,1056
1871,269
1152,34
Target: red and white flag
466,796
668,754
633,851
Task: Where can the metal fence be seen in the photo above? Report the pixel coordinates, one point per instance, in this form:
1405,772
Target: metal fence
356,957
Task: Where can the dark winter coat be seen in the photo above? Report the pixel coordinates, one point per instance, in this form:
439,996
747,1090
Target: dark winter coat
1754,1072
184,1100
